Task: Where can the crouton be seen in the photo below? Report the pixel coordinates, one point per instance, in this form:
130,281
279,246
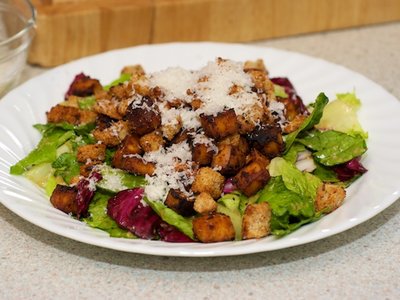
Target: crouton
220,126
255,65
294,124
181,137
133,70
268,139
213,228
204,203
108,107
110,132
248,121
151,141
130,145
120,91
72,115
143,118
329,197
256,221
64,199
86,169
171,130
180,203
94,152
209,181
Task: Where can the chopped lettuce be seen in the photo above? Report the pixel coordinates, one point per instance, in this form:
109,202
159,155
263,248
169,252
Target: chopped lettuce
230,205
98,217
291,155
124,77
86,103
280,91
312,119
326,174
115,180
334,147
171,217
341,115
43,176
66,166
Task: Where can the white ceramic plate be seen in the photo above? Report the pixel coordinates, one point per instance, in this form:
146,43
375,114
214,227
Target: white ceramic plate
379,115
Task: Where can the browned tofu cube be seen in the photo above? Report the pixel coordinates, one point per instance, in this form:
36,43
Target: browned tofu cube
228,160
267,139
329,197
94,152
294,124
256,221
83,86
213,228
202,154
133,163
180,203
220,126
152,141
144,117
204,203
248,121
86,169
251,178
181,137
71,115
64,199
209,181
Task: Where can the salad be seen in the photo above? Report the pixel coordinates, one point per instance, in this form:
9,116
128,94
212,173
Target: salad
217,154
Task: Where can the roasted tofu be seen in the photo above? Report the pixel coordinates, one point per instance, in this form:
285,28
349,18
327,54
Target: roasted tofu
204,203
152,141
143,117
220,126
180,203
209,181
64,199
202,154
248,121
267,139
213,228
252,177
94,152
72,115
133,163
83,86
256,221
329,197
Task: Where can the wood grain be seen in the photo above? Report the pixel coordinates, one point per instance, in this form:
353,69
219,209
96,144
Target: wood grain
69,29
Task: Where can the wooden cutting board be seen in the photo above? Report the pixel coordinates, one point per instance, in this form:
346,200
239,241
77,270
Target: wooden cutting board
69,29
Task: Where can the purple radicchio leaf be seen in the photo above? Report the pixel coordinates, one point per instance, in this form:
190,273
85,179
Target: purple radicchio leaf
350,169
291,91
86,188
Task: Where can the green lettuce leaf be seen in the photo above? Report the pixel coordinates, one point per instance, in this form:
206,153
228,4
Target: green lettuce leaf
232,206
43,176
324,173
171,217
280,91
86,103
115,180
124,77
341,115
98,217
66,166
334,147
310,121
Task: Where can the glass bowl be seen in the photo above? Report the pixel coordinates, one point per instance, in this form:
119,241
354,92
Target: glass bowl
17,28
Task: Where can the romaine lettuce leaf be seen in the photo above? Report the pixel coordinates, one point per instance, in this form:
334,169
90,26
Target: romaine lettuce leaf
124,77
334,147
171,217
115,180
66,166
311,120
280,91
98,217
341,115
230,205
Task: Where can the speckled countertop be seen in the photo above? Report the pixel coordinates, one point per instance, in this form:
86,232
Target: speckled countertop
361,263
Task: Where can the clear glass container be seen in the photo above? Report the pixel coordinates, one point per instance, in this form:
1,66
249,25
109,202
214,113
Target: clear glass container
17,28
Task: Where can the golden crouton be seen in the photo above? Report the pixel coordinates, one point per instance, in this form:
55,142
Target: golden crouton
256,221
133,70
204,203
64,199
71,115
294,124
181,137
255,65
248,121
268,139
120,91
169,131
151,141
94,152
179,202
209,181
220,126
143,118
329,197
108,107
213,228
112,133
